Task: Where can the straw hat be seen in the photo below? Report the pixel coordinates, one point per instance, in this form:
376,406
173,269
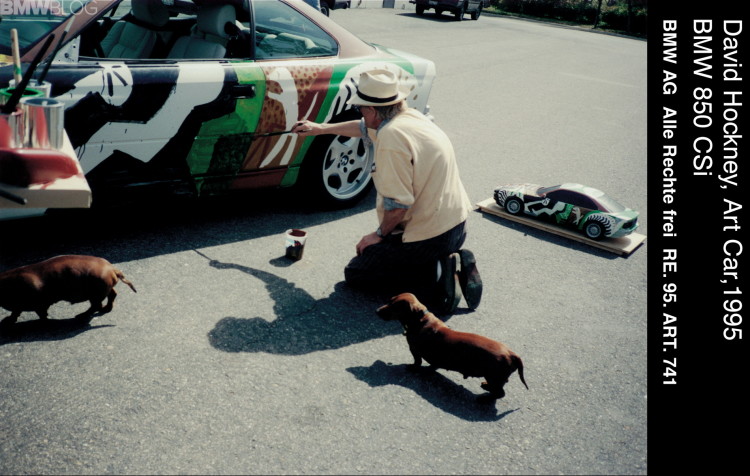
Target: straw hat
377,88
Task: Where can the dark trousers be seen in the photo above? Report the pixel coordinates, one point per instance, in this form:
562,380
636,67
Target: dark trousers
394,267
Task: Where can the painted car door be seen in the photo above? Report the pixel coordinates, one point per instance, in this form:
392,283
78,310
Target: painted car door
153,120
200,124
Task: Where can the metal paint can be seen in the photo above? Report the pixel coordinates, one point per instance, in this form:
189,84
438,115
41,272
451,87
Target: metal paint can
12,129
6,93
45,87
44,122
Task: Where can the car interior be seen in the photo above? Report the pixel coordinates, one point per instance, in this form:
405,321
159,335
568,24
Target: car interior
151,30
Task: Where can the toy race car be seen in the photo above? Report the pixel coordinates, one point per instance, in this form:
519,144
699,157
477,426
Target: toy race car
587,209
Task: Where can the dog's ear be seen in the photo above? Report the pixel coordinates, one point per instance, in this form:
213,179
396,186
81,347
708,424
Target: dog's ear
417,309
408,307
402,307
395,309
407,304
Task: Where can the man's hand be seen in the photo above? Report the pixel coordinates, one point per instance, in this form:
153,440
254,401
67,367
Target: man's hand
391,219
305,128
366,241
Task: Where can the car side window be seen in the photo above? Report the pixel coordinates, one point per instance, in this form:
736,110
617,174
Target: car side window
283,32
167,32
573,198
157,30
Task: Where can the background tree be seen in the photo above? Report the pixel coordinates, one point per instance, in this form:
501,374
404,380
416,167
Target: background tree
598,13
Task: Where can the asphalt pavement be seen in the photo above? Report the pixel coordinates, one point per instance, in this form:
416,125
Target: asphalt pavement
231,359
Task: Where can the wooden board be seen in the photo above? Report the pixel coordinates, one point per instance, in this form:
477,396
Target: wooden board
622,246
67,192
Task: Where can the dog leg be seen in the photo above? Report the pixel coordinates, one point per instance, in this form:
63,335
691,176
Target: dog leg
416,366
110,301
417,358
487,399
494,387
10,320
87,315
42,313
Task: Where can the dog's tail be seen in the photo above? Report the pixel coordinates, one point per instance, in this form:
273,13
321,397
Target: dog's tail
519,365
121,277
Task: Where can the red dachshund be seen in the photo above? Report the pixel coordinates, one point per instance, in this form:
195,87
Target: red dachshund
469,354
71,278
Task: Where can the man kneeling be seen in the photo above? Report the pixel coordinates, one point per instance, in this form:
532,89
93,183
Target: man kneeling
422,206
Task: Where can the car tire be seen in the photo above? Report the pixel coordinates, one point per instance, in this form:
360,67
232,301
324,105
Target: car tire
475,14
514,205
420,10
337,171
596,227
325,10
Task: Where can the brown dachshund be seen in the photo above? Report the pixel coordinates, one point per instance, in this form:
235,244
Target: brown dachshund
469,354
71,278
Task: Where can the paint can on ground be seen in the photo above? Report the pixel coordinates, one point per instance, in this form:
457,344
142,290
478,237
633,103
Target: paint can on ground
294,240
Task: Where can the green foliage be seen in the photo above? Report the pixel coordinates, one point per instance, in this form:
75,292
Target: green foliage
617,18
621,15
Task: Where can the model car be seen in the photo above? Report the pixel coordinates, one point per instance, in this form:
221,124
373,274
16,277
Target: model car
584,208
459,8
197,97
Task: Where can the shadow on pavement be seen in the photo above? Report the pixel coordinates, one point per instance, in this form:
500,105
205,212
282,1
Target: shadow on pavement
303,324
139,231
437,389
49,330
346,317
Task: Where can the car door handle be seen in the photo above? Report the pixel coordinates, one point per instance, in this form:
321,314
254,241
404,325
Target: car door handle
243,91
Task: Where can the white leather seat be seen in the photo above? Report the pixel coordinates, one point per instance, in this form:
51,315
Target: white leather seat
135,37
209,36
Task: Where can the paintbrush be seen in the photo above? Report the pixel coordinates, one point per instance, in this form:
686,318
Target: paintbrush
18,91
43,74
16,55
13,197
268,134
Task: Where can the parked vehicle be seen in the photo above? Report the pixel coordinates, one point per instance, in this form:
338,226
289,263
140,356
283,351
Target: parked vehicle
316,4
587,209
457,7
325,6
202,103
328,5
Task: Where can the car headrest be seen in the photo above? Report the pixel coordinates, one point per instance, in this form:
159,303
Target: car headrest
153,12
213,19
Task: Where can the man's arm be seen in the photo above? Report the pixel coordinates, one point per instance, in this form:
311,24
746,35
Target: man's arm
309,128
391,219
